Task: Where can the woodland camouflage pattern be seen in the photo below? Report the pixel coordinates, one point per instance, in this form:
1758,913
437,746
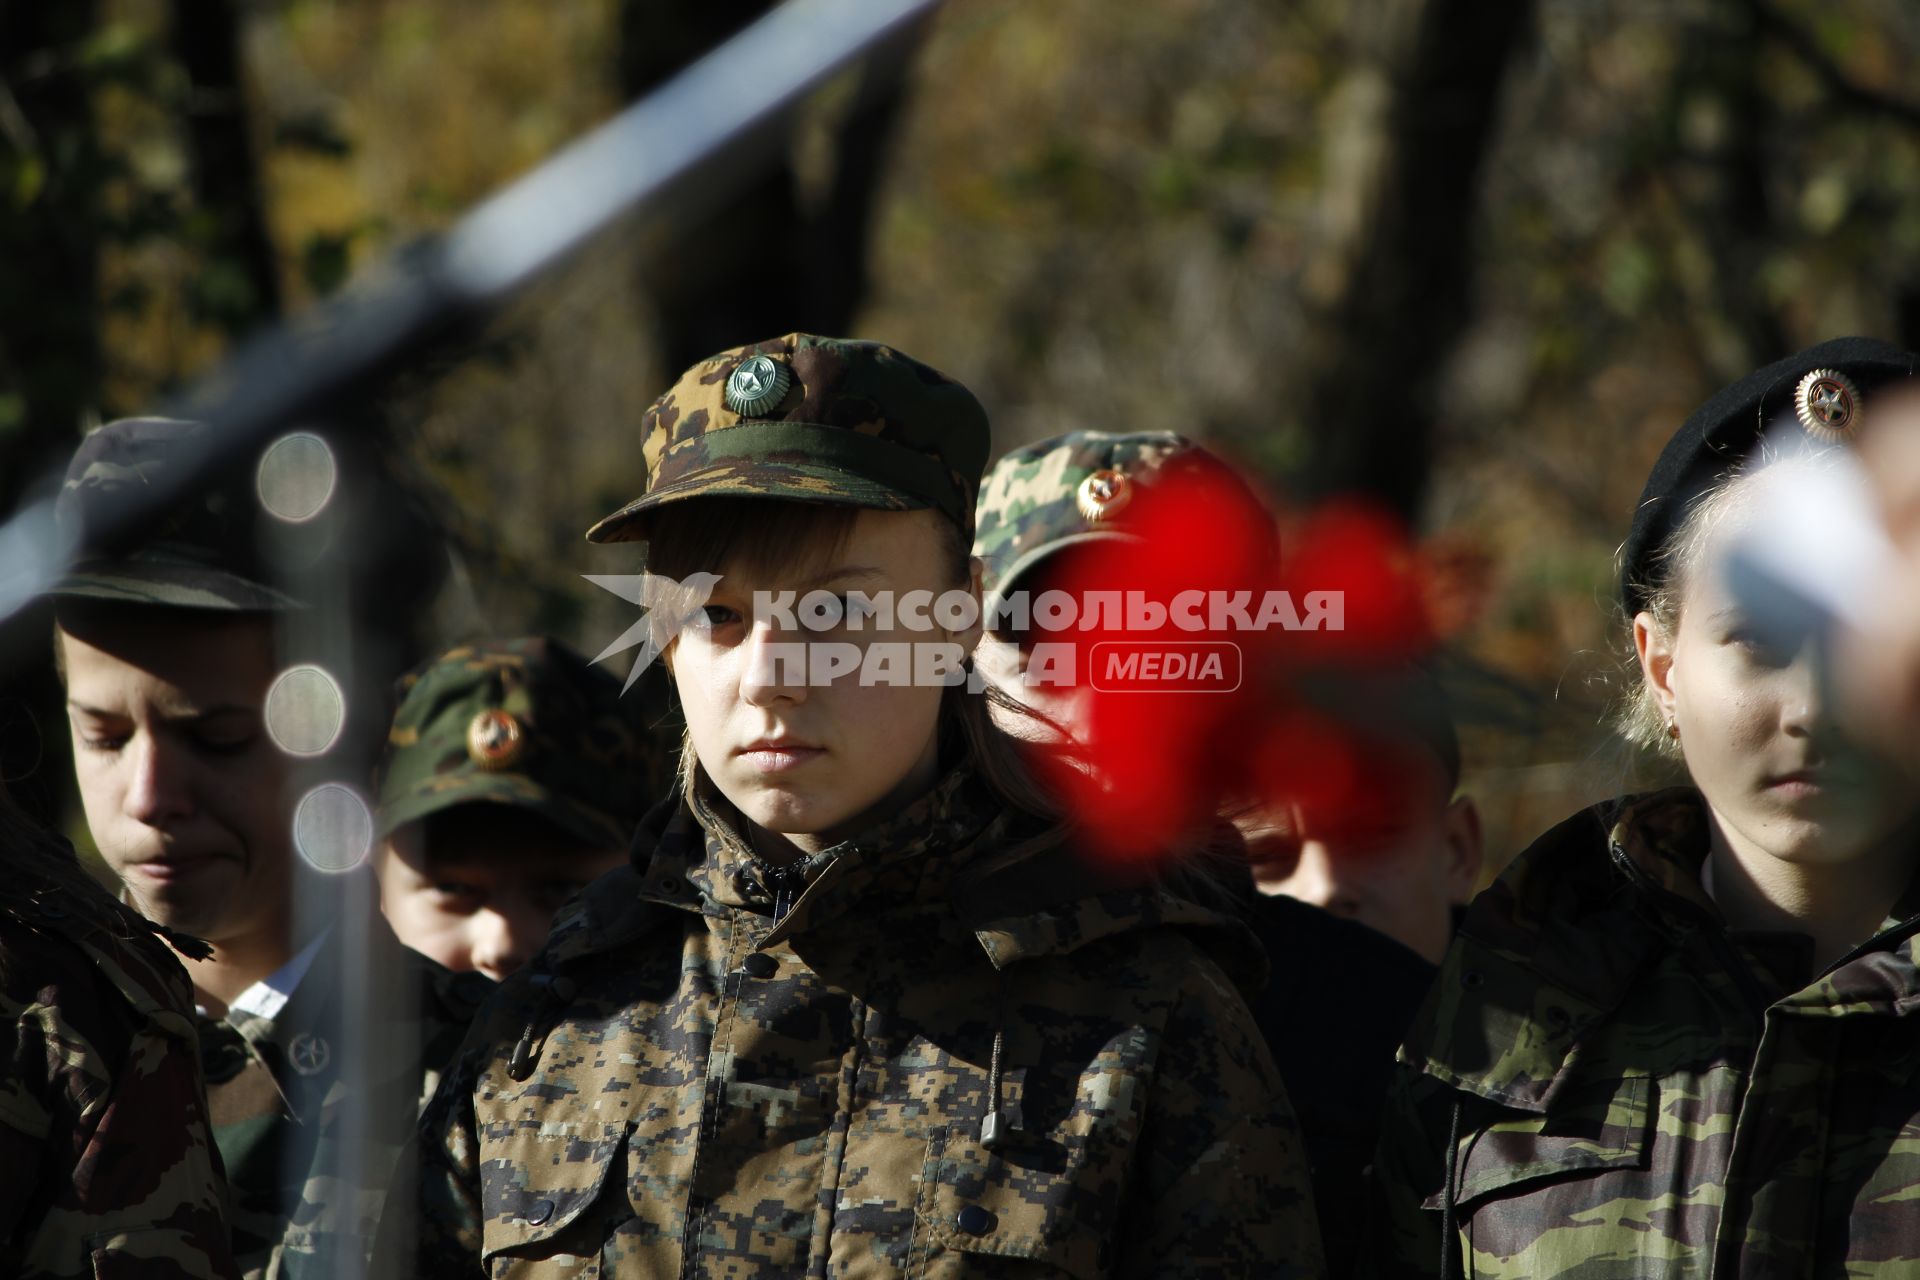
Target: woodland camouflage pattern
704,1091
586,763
282,1098
1028,505
1642,1092
106,1168
861,425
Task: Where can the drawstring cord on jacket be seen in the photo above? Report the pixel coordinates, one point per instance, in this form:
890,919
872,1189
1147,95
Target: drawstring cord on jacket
558,994
1449,1223
993,1127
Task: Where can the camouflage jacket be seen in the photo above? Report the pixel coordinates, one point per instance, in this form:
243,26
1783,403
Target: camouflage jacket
106,1168
289,1103
888,1060
1627,1088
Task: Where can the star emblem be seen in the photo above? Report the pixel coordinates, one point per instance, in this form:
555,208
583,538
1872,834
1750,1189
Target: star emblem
309,1054
1828,405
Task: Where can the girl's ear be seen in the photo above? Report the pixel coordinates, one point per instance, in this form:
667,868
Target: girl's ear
969,639
1655,649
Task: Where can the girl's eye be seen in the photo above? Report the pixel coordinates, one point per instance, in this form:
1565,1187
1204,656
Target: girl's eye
457,893
719,615
104,745
825,617
1760,651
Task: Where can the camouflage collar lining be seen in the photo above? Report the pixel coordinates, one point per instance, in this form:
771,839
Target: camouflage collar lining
1665,835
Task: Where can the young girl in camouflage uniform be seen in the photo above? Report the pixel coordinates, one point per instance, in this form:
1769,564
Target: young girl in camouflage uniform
106,1165
856,1008
1675,1038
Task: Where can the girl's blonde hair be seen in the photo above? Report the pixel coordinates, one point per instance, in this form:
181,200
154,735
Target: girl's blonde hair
1671,576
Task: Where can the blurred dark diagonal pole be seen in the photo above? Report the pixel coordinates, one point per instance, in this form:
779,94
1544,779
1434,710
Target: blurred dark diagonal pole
1389,294
669,155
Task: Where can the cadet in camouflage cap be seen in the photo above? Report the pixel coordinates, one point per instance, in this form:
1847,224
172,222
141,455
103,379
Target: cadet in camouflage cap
858,883
168,647
1674,1037
202,555
1040,502
811,419
513,775
1067,491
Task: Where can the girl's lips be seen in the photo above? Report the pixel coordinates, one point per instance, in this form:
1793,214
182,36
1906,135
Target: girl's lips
770,758
171,869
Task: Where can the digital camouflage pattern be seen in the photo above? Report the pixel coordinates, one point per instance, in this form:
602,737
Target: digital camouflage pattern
717,1069
861,425
203,555
106,1167
1634,1090
1028,505
573,750
284,1093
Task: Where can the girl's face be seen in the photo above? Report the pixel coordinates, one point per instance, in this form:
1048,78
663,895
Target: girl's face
800,749
1757,730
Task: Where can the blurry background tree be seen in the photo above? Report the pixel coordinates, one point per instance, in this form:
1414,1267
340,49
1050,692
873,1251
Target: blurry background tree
1474,258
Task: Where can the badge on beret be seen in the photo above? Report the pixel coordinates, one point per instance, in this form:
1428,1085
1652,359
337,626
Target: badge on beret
495,739
1103,494
1828,405
757,386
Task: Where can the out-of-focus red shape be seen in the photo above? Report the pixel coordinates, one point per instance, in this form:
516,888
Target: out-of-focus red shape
1164,764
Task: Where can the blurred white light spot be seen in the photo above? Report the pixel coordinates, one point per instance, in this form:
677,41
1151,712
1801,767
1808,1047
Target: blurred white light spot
333,828
305,710
297,476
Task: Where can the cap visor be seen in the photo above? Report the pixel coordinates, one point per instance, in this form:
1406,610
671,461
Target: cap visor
174,585
628,524
511,789
1000,585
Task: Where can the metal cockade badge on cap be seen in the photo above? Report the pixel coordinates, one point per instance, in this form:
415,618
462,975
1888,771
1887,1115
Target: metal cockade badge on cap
495,739
1102,495
1828,405
757,385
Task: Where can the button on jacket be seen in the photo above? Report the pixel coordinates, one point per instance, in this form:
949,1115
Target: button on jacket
923,1066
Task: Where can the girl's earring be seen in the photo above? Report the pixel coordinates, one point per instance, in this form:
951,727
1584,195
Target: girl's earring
1673,728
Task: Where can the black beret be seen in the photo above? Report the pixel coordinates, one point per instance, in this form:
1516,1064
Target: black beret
1724,430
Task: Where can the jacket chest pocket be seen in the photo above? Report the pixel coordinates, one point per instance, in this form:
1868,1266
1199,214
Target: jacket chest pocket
1528,1185
552,1202
1049,1200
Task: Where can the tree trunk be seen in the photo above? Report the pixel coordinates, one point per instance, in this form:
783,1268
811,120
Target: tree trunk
1390,292
768,260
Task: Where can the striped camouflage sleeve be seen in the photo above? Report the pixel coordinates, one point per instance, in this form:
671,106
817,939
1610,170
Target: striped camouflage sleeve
106,1162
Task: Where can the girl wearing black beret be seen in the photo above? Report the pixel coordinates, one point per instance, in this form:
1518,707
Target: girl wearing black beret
1679,1036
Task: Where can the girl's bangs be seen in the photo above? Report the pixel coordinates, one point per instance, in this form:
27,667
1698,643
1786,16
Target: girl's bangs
756,536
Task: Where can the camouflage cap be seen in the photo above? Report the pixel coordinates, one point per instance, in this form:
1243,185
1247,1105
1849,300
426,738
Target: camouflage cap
811,419
527,723
1060,492
204,554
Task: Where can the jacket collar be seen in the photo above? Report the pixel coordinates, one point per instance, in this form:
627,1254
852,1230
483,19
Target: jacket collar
1549,952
